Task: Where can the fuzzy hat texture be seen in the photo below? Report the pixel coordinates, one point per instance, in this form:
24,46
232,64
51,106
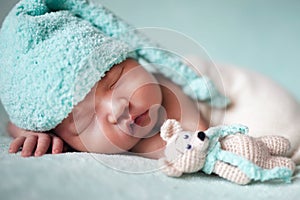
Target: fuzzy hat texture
52,52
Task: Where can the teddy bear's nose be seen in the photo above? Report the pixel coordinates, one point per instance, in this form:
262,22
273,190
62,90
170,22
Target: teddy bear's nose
201,135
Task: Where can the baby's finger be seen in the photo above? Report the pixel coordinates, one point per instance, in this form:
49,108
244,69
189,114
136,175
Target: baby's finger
29,145
43,145
16,144
57,145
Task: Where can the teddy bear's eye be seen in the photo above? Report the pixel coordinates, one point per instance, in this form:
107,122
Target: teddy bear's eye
185,136
188,146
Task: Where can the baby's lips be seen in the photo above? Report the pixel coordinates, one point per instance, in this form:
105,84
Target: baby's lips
142,120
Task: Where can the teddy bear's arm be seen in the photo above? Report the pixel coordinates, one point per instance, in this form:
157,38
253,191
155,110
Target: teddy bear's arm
230,173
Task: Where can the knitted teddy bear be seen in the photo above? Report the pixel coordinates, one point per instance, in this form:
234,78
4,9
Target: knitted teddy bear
226,151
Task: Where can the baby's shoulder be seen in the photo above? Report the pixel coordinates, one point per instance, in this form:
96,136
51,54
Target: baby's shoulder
257,101
242,83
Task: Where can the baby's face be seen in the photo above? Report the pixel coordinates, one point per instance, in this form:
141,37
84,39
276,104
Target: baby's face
119,110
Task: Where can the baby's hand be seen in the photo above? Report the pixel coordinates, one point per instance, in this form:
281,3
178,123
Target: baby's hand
33,143
36,144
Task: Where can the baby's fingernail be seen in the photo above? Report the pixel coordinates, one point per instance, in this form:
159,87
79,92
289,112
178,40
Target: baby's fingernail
38,153
55,151
10,150
25,154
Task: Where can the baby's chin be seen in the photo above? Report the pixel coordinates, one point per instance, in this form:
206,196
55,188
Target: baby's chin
127,144
128,141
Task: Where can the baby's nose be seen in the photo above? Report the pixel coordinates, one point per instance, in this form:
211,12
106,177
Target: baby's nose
201,135
120,108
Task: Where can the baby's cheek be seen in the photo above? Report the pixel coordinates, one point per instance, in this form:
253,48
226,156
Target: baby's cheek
147,94
121,140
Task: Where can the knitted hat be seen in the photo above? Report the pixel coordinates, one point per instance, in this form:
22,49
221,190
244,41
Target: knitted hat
52,52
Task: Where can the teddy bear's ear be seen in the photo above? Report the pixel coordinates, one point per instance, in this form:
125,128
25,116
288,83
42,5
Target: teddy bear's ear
169,128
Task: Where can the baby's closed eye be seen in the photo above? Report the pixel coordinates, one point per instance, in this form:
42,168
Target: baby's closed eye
115,77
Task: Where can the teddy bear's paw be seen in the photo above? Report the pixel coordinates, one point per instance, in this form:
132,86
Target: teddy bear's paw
231,173
280,162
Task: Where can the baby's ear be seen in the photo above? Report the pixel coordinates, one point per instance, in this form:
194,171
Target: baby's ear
169,128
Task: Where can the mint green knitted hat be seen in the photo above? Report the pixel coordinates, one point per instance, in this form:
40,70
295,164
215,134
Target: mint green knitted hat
52,52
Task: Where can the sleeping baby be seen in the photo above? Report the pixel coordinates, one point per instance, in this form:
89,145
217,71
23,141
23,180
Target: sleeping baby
74,75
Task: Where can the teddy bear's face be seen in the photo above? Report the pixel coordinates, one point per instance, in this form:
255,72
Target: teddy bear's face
187,146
